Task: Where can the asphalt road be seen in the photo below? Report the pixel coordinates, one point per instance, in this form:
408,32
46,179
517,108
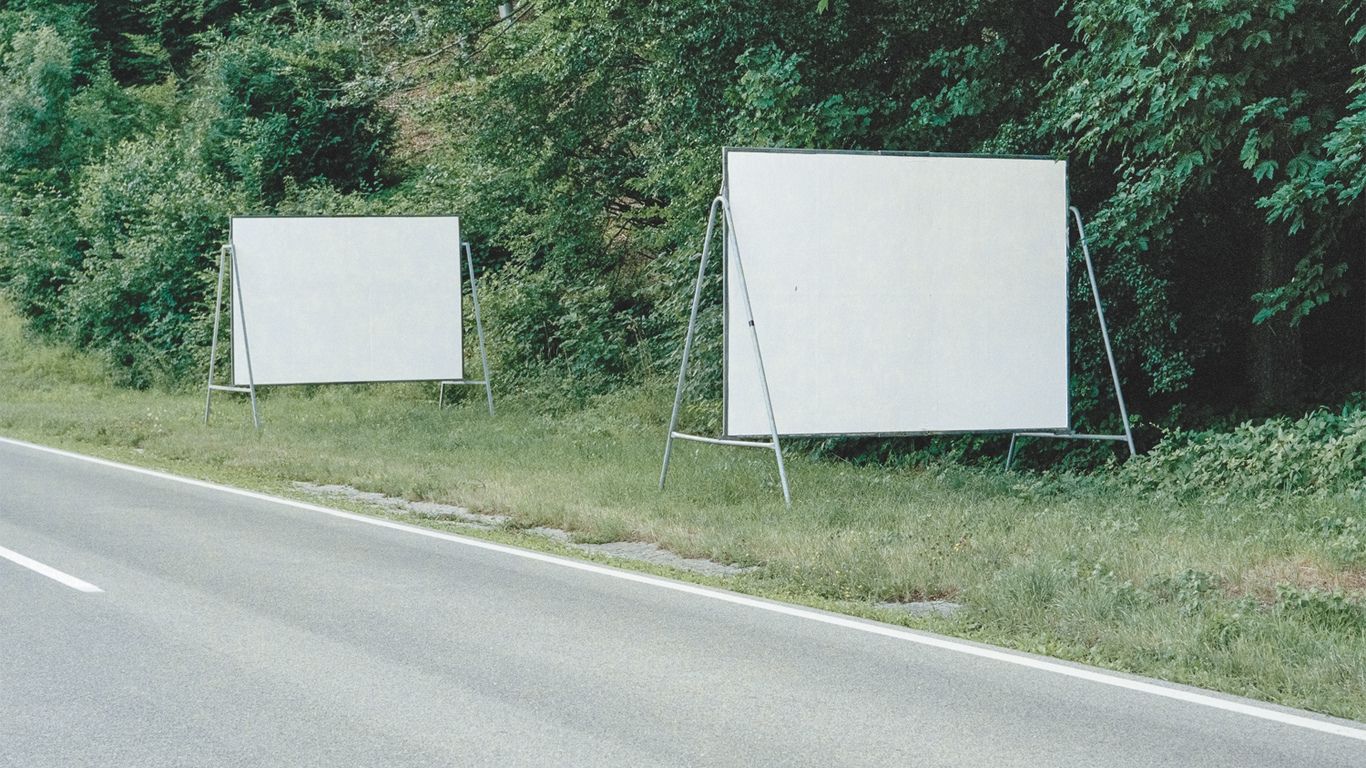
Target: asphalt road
235,630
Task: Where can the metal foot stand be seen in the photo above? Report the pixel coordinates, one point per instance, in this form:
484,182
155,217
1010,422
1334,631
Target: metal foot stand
728,231
479,326
1128,436
250,389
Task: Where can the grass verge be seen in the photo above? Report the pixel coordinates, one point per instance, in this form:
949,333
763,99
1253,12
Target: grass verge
1257,598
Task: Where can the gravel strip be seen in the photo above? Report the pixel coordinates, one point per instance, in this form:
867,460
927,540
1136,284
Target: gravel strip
639,551
420,508
925,607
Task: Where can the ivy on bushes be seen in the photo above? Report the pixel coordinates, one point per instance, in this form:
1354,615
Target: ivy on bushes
1321,453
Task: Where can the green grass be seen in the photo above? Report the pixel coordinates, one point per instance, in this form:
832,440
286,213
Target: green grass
1181,589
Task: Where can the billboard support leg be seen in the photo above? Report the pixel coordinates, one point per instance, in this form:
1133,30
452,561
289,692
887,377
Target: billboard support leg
487,383
246,342
687,341
1128,436
728,231
1104,332
213,343
479,328
250,389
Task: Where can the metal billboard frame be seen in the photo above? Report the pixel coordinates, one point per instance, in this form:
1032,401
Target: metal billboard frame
732,253
227,263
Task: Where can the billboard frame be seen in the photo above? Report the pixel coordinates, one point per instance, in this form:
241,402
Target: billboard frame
228,266
731,253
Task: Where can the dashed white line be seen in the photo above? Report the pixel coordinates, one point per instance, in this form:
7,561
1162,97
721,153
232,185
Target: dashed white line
48,571
1153,687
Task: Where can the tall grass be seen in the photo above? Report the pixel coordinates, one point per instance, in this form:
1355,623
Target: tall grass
1255,593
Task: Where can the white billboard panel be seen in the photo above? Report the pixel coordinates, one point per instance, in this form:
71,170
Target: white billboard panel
346,299
897,293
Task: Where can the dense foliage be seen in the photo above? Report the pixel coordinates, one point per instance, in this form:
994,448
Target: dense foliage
1214,145
1322,453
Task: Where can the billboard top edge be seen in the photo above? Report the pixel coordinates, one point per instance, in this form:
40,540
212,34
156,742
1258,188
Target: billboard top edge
886,153
348,216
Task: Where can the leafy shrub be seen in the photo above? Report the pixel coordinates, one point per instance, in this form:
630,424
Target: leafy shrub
1191,589
38,251
1322,452
293,97
35,84
154,219
1346,537
1320,607
114,197
590,335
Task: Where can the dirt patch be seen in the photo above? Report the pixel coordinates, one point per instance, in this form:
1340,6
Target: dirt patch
925,607
649,552
1260,581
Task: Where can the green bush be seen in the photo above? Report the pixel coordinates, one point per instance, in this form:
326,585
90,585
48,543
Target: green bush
293,97
36,74
154,220
1345,537
1320,453
1320,607
39,254
115,197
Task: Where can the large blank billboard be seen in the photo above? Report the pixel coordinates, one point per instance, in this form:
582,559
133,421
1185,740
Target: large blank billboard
897,294
346,299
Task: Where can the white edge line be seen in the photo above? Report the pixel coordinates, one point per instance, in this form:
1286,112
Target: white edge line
922,638
48,571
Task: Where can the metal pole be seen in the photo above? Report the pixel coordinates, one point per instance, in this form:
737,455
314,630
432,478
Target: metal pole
479,327
1010,455
213,345
729,230
246,345
687,343
1104,333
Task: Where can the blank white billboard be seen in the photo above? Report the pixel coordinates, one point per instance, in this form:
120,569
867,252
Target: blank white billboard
346,299
897,293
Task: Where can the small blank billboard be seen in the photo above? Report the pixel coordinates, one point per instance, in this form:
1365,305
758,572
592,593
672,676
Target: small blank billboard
897,294
346,299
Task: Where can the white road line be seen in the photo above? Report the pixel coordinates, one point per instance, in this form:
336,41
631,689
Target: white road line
1169,691
48,571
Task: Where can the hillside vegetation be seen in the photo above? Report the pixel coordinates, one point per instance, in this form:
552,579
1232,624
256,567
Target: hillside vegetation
1214,145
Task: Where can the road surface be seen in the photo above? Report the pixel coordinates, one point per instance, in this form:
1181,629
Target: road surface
147,621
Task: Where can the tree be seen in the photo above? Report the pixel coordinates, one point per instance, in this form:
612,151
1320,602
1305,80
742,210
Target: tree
590,133
125,148
1208,108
